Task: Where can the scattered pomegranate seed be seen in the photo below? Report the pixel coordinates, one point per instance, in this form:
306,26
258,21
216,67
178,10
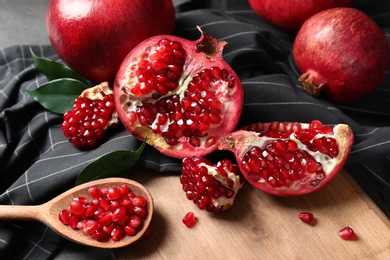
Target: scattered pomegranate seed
306,217
106,216
189,219
347,233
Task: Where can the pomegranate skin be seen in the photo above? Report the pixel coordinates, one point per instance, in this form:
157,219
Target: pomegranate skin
93,36
342,53
290,15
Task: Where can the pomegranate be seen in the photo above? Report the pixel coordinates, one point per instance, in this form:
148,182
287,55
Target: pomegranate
290,15
93,113
113,213
342,53
178,94
290,158
93,37
210,187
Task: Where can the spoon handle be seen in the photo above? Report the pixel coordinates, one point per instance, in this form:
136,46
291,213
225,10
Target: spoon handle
19,212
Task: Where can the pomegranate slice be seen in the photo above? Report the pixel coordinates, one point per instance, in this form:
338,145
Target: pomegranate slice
92,114
290,158
178,94
211,187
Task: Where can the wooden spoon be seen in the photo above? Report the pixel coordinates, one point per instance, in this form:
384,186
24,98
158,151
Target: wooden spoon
48,212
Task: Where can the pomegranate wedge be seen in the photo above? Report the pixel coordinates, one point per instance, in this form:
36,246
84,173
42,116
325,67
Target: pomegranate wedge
290,158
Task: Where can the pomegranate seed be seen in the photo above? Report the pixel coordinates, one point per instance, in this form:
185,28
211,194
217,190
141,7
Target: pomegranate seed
64,217
117,234
107,215
124,221
90,227
124,190
135,221
109,228
104,203
90,209
106,218
130,231
100,235
118,214
306,217
347,233
113,193
140,211
189,219
76,207
73,221
139,201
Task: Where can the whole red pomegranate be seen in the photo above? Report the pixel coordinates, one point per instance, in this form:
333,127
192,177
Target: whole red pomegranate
178,94
94,36
290,15
290,158
341,52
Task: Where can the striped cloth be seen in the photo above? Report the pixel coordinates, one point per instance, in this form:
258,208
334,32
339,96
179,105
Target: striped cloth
37,163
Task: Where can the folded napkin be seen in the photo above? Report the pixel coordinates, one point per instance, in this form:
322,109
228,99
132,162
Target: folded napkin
38,163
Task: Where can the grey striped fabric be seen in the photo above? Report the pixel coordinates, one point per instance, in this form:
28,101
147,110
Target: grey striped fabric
37,163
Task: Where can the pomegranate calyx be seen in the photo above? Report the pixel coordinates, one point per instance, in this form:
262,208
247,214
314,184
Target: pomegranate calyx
308,85
209,45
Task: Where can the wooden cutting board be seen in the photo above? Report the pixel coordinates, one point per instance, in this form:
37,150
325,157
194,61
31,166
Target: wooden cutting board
262,226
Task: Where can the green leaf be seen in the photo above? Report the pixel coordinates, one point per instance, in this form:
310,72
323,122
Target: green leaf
54,70
114,164
58,95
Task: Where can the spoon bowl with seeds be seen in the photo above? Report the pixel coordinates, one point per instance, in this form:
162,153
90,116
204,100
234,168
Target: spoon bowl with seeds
48,213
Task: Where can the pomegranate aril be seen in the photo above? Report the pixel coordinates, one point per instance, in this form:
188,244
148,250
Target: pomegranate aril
64,216
135,221
76,207
189,219
118,233
130,231
118,214
306,217
139,201
73,221
109,228
100,235
106,216
140,211
347,233
90,226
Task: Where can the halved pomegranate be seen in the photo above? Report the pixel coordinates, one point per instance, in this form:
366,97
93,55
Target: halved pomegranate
178,94
290,158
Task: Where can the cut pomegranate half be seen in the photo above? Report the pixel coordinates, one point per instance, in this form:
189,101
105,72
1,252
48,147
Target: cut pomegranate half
290,158
178,94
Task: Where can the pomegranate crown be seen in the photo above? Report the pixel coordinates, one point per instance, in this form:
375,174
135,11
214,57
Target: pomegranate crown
209,45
